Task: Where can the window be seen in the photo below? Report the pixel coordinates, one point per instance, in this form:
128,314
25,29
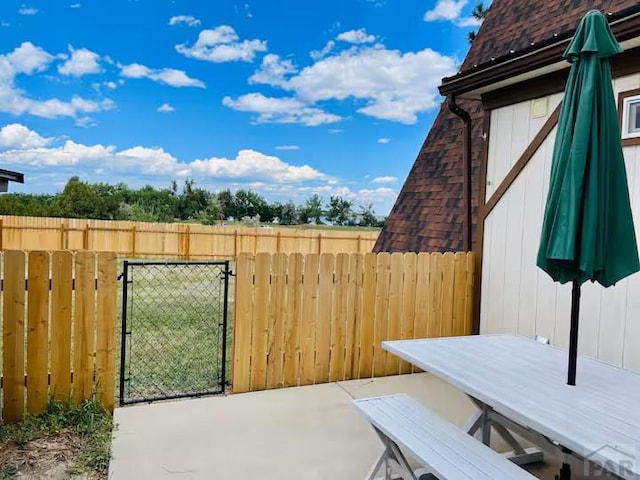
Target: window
629,111
631,117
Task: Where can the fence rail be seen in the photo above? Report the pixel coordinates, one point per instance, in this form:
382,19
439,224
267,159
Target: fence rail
170,240
307,319
57,342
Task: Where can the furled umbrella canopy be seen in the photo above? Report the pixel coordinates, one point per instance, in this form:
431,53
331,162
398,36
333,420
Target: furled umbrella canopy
588,231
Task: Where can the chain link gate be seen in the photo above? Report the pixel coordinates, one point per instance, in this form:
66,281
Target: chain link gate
174,330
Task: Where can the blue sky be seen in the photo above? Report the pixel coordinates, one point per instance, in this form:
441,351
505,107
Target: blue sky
286,97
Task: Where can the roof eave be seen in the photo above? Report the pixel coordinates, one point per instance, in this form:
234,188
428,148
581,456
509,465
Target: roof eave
11,176
625,26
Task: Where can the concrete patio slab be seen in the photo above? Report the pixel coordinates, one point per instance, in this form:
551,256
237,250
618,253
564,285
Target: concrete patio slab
304,433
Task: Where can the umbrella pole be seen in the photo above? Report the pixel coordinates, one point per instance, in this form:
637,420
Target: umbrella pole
573,336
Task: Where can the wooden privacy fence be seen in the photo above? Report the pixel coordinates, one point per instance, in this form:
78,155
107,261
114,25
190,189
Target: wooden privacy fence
171,240
58,329
307,319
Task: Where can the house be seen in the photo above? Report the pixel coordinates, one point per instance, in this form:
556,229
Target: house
7,176
480,180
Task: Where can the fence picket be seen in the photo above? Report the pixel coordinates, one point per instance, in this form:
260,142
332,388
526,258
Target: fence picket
459,298
309,319
392,365
354,304
38,332
435,296
339,318
407,316
277,303
13,336
260,322
370,279
448,284
61,296
381,313
83,334
105,338
323,329
292,312
243,325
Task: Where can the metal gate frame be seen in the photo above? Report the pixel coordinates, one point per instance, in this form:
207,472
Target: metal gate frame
226,274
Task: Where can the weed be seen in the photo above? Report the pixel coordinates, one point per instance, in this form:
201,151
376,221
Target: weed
89,424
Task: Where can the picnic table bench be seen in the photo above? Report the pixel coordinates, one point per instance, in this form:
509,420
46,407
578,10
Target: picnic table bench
449,452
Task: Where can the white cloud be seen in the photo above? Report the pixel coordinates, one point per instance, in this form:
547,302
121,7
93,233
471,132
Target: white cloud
19,145
82,62
251,164
222,44
288,147
384,140
451,10
168,76
4,24
387,84
326,50
334,131
273,71
28,59
188,20
166,108
395,86
75,5
445,10
356,36
26,10
280,110
17,136
85,122
385,179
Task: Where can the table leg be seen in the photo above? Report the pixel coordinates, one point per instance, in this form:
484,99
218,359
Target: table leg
487,419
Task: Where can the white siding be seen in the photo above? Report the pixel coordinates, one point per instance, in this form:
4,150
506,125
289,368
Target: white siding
516,127
517,297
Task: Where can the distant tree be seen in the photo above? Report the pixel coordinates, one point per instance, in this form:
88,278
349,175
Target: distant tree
192,201
226,203
339,210
212,214
312,210
84,200
367,216
289,214
479,12
154,205
248,203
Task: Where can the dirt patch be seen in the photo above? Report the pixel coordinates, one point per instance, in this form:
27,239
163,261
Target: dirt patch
53,457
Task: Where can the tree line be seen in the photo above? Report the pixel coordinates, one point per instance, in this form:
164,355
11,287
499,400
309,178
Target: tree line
190,203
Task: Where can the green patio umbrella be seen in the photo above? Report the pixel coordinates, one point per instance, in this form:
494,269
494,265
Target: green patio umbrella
588,231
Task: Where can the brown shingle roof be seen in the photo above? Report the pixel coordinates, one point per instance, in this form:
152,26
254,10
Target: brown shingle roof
427,215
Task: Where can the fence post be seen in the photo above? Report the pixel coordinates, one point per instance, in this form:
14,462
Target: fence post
235,243
187,247
132,248
85,238
359,237
1,235
278,242
319,243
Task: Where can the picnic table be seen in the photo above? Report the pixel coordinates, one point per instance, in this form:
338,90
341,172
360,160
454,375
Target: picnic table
519,387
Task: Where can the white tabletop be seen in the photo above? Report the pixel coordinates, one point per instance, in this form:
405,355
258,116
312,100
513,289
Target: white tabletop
524,380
